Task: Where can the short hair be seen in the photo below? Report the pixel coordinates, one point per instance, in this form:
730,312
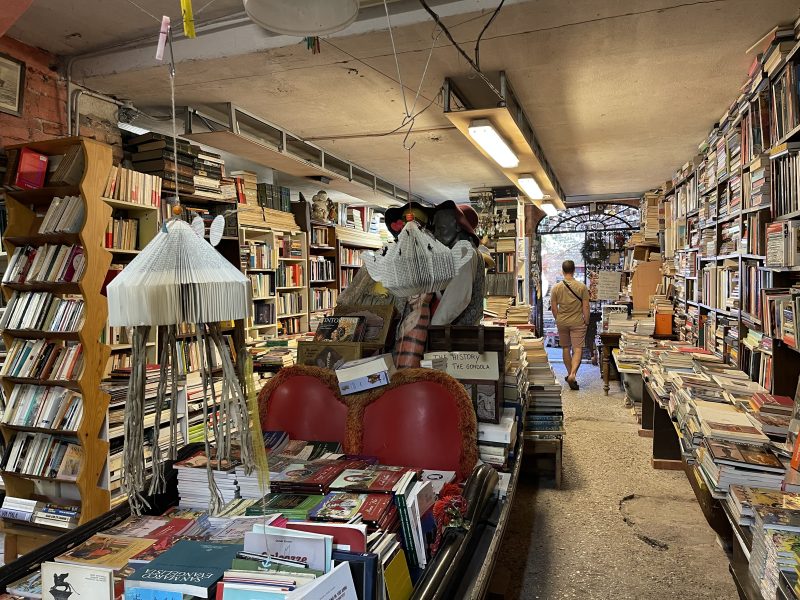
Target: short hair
568,266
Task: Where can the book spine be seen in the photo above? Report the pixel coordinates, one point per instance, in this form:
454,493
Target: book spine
405,526
19,515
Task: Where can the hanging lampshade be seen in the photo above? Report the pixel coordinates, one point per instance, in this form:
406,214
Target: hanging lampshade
178,278
302,18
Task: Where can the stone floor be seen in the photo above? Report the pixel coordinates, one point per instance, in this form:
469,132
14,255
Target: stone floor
617,529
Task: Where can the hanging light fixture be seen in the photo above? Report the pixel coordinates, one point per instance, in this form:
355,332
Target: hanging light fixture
549,208
302,17
528,185
486,136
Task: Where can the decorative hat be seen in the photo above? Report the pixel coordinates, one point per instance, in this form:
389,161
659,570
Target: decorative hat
396,217
466,217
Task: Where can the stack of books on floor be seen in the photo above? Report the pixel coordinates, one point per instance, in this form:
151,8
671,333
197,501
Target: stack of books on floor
497,306
544,419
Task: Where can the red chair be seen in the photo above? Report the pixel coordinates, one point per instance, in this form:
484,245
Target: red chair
305,403
424,419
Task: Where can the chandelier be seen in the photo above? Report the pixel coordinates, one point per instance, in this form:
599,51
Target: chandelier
491,223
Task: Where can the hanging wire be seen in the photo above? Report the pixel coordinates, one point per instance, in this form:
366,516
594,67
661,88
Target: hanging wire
485,27
144,10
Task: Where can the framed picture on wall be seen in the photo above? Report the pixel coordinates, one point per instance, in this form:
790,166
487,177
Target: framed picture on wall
12,83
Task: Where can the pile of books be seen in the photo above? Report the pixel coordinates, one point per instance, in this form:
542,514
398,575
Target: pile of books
155,154
40,513
519,314
544,418
208,168
193,484
498,306
246,186
632,348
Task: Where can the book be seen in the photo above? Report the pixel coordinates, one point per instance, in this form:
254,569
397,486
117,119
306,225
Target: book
101,550
28,586
189,567
341,329
96,583
31,169
365,373
343,506
367,480
308,548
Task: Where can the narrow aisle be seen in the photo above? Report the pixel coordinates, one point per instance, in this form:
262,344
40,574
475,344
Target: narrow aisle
617,529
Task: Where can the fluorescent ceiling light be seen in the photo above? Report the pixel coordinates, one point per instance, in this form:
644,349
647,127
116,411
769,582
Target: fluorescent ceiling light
549,208
486,136
132,128
530,187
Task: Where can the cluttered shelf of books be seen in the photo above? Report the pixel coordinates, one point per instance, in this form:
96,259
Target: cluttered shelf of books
728,223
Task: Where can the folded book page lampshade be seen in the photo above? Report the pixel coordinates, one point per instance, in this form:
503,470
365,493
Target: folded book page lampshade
180,278
417,263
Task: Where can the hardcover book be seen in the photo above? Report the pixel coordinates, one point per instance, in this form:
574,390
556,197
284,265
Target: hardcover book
101,550
341,329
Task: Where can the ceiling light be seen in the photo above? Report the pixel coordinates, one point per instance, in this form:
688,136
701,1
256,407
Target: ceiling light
549,208
486,136
302,18
528,185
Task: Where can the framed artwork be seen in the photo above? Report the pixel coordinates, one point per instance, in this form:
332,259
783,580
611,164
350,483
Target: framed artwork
12,83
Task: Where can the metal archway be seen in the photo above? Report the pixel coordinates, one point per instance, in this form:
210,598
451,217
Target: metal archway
612,222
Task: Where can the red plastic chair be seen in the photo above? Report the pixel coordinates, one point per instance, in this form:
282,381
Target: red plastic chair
302,402
425,420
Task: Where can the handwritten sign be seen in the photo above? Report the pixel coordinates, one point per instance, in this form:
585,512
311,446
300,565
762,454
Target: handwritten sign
608,285
469,365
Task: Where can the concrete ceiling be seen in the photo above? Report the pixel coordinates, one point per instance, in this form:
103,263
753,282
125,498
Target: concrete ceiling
620,92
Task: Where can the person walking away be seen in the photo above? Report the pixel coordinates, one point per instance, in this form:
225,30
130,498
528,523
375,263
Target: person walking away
569,301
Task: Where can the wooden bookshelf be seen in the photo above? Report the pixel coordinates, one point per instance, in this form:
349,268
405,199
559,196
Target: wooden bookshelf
719,204
349,244
259,261
323,270
24,215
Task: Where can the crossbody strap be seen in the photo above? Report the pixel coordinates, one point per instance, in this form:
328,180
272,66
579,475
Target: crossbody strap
572,291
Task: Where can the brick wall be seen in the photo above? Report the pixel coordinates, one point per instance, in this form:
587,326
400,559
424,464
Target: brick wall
44,101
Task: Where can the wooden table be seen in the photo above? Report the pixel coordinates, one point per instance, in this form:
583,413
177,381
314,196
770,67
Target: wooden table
608,341
666,444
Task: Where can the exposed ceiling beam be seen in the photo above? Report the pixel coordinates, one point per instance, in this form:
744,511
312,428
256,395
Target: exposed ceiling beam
12,10
236,35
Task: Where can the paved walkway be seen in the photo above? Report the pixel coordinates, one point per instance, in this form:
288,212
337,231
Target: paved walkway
617,530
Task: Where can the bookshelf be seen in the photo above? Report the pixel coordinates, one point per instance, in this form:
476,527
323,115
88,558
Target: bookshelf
323,280
349,245
26,211
735,209
259,261
131,227
291,282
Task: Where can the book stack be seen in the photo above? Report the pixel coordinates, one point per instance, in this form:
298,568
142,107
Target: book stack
19,509
496,442
246,186
776,533
498,306
155,154
365,373
193,481
725,463
743,501
632,348
544,417
519,314
57,515
649,218
207,177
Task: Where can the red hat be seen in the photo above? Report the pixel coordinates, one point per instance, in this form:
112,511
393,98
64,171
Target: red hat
466,217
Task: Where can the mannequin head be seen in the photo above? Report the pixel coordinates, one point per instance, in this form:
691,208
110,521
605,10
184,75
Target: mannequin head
451,224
